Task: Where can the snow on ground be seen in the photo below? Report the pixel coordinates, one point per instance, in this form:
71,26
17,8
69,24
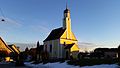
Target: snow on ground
65,65
3,62
102,66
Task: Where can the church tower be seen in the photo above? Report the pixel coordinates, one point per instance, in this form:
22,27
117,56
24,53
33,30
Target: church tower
67,22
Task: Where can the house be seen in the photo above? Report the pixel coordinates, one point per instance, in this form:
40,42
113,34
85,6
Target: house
61,42
32,53
14,48
7,51
5,48
35,53
107,52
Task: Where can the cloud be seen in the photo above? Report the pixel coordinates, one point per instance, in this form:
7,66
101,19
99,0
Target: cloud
3,31
85,46
39,28
86,43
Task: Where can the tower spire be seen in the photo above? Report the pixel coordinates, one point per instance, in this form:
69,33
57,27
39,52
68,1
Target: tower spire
67,21
66,5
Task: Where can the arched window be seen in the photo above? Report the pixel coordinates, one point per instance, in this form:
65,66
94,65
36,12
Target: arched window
50,48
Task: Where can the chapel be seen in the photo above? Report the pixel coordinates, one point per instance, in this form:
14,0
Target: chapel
61,42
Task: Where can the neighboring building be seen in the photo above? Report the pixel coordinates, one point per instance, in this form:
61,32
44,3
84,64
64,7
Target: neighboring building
32,53
61,42
107,52
36,53
5,48
14,48
8,51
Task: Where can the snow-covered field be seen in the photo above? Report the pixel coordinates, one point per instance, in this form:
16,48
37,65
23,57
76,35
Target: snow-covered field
65,65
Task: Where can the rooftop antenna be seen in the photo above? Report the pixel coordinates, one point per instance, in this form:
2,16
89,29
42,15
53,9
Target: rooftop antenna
3,19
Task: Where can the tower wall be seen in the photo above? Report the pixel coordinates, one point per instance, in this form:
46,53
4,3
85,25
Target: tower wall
67,23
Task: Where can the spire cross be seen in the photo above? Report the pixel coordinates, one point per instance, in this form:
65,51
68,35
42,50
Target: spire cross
66,4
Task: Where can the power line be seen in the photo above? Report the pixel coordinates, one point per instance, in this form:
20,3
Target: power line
2,13
3,19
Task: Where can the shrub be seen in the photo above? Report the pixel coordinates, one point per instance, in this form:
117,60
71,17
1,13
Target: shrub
89,62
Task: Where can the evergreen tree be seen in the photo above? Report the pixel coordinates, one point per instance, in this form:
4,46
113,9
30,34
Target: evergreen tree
38,51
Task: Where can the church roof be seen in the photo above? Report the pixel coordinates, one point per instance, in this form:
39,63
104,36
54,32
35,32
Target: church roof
55,34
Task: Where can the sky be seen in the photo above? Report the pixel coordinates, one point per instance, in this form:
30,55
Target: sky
93,21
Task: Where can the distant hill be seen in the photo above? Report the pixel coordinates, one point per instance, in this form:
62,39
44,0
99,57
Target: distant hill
23,45
84,46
